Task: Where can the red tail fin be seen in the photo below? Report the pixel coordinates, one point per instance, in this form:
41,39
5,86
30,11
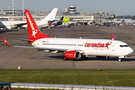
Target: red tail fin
33,30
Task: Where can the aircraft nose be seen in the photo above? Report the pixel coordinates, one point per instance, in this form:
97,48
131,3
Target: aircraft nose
130,50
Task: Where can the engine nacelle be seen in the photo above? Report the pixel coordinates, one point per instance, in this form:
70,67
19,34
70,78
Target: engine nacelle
72,55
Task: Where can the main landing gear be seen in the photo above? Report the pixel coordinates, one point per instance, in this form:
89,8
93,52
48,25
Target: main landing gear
84,57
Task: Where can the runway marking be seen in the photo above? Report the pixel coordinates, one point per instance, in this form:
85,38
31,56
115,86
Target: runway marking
30,53
51,35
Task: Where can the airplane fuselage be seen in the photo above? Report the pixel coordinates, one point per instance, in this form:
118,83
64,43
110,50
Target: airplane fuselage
11,24
39,24
97,47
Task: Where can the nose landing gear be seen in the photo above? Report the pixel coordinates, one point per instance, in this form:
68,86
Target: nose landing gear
120,59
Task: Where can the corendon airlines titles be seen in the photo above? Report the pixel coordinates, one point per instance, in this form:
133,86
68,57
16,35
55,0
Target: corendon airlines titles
98,45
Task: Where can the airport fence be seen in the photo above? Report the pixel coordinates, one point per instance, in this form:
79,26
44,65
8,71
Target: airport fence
35,86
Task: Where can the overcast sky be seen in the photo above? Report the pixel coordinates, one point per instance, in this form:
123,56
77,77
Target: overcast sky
118,7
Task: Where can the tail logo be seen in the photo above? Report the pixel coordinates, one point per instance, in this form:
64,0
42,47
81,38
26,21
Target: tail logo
34,32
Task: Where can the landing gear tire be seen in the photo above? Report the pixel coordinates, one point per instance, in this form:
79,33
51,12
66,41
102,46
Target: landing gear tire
84,58
120,59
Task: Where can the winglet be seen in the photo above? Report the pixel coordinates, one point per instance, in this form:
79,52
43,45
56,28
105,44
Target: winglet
5,40
112,36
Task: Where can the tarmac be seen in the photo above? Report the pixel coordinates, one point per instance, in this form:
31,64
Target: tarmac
11,57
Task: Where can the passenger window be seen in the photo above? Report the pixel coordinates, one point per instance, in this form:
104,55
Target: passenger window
124,45
121,45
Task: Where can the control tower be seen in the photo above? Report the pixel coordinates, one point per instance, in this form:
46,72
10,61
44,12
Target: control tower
72,9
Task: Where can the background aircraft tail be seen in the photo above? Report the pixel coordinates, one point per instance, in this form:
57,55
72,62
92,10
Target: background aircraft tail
51,15
60,21
33,30
66,19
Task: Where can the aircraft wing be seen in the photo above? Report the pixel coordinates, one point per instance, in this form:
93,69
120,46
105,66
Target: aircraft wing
49,49
38,48
20,24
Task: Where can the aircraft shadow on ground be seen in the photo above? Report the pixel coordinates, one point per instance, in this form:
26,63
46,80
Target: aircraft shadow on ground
2,41
60,57
94,58
6,31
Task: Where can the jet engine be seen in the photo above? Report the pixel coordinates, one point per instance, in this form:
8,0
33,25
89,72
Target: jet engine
72,55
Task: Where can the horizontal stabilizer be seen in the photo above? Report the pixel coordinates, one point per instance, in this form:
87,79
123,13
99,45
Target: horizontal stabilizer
20,39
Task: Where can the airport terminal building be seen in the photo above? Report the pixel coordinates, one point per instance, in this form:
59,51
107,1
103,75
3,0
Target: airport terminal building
80,17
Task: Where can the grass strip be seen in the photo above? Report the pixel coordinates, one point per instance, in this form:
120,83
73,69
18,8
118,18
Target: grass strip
101,78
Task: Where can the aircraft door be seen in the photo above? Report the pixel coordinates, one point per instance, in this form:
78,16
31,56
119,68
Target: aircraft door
37,43
113,47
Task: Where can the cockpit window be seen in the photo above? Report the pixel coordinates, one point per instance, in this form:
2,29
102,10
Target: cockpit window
124,45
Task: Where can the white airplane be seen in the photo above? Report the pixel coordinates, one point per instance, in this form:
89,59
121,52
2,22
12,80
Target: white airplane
118,22
71,47
44,22
129,21
56,23
15,24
